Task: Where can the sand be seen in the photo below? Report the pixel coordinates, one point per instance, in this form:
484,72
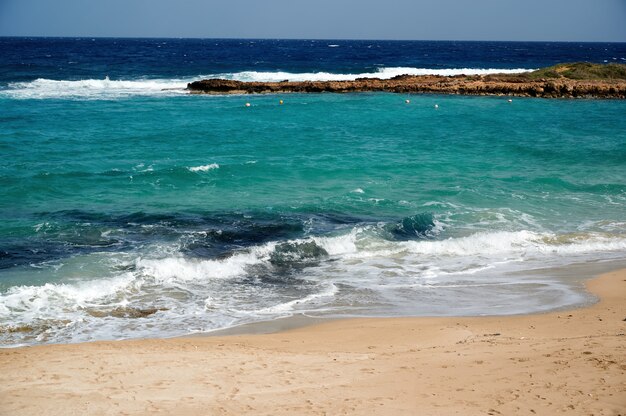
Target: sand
571,362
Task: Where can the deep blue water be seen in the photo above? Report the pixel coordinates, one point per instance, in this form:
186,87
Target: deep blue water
26,59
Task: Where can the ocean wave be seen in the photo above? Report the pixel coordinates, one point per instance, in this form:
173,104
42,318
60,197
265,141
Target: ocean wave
383,73
181,269
107,88
524,243
204,168
93,88
488,245
174,293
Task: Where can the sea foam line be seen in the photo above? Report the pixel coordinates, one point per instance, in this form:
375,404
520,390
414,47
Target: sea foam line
107,88
382,73
57,305
204,168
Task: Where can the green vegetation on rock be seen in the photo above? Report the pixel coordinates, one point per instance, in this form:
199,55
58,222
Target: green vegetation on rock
581,70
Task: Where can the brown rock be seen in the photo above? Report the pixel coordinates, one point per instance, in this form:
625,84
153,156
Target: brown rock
497,84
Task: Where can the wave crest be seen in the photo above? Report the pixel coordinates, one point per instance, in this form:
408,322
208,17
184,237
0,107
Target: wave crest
204,168
382,73
112,89
175,292
93,88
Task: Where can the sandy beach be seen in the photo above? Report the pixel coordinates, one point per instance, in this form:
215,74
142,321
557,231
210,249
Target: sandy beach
571,362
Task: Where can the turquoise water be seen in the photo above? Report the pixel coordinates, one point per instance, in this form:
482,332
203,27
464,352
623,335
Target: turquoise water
164,215
312,153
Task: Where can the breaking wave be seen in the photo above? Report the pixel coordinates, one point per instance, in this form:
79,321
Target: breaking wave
107,88
174,294
204,168
383,73
93,88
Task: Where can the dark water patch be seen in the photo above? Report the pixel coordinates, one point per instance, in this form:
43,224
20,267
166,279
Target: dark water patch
297,254
4,118
414,227
36,251
199,235
14,255
340,218
136,226
256,232
224,234
265,223
206,248
319,222
211,235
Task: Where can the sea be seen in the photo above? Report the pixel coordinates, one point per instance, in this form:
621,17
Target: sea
130,208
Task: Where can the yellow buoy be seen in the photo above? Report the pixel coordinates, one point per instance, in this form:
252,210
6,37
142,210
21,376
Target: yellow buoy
280,102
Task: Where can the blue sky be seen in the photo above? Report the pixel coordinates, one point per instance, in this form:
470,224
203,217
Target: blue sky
532,20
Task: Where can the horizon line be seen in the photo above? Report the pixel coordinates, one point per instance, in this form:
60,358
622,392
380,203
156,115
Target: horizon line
304,39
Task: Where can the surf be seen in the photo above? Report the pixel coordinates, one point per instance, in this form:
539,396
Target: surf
106,88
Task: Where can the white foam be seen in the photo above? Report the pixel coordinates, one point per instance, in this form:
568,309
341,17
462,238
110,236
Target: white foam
383,73
339,245
107,88
483,243
491,246
182,269
57,300
291,305
204,168
518,242
200,294
94,88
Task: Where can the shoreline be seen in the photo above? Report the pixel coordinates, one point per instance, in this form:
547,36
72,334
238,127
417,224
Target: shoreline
570,361
302,320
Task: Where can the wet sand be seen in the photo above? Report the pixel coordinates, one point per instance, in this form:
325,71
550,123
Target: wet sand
571,362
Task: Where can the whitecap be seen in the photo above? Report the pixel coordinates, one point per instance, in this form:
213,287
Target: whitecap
106,88
204,168
382,73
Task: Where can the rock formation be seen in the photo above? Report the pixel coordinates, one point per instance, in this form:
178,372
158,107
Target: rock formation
561,81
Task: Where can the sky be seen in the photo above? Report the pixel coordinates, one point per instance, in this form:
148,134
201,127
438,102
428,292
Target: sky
523,20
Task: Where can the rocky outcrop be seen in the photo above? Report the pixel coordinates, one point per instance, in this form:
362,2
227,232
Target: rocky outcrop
524,85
